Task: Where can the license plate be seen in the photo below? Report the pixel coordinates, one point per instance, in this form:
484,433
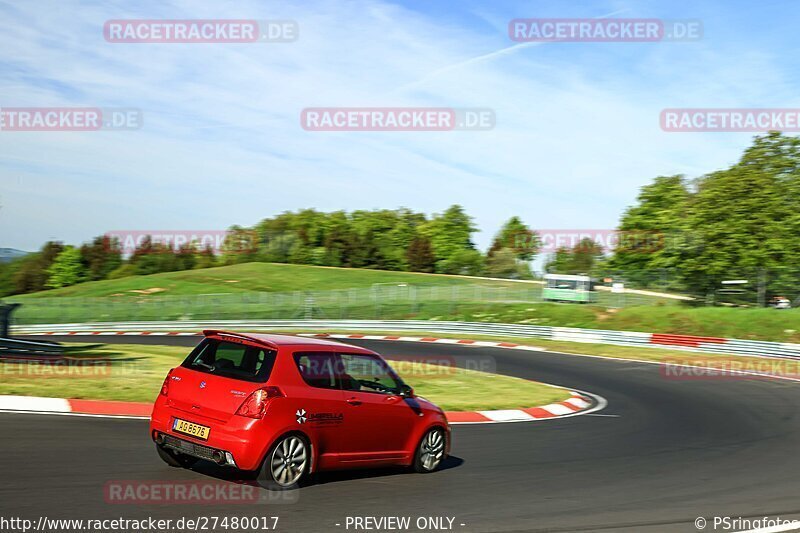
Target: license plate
190,428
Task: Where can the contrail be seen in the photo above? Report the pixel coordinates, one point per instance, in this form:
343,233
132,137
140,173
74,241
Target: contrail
485,57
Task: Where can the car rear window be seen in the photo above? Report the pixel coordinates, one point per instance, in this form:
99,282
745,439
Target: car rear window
231,360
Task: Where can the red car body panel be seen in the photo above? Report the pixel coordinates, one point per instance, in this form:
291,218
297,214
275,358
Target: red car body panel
345,428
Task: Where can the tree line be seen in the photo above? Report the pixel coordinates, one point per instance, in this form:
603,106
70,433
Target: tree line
399,239
723,225
742,222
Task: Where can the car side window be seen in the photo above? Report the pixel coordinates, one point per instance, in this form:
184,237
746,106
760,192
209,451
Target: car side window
318,369
367,373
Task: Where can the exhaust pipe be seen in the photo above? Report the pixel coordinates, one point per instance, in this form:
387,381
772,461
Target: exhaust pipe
159,438
219,457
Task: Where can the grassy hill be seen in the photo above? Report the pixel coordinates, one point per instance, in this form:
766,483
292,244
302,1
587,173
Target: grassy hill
279,291
249,277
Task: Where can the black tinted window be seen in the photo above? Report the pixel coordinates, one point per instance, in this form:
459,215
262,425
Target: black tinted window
231,360
368,373
318,369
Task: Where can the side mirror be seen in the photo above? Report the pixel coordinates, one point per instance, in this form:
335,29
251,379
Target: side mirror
406,391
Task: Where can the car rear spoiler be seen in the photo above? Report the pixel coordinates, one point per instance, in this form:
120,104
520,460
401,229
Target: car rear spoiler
238,337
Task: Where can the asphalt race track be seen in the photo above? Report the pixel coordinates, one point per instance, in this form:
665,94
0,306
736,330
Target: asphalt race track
662,453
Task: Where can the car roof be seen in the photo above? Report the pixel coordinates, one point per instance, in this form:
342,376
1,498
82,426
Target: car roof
274,340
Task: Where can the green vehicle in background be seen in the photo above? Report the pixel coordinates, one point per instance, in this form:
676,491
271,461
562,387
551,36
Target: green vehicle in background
568,288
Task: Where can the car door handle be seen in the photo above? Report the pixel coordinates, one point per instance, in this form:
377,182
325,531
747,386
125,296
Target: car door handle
353,401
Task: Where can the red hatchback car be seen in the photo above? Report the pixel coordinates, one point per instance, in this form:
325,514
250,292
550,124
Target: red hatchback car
287,406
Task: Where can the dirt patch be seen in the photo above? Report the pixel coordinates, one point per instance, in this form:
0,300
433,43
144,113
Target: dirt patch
152,290
605,314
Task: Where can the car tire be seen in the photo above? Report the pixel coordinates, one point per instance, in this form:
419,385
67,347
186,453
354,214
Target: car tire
175,459
430,451
286,464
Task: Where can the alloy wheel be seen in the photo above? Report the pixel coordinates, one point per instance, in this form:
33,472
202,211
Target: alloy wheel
432,449
288,462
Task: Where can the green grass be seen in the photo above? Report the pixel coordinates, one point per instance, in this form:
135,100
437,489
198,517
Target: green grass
252,277
278,291
135,373
748,323
742,323
264,291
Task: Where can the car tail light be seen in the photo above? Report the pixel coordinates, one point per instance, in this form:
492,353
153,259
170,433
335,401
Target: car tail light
165,385
256,404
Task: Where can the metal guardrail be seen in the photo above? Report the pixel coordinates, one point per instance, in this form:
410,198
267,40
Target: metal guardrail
620,338
22,347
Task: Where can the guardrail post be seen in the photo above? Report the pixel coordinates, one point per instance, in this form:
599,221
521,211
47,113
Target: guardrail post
762,287
5,318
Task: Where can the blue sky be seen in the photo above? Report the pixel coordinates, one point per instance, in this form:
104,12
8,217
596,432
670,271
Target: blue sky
577,128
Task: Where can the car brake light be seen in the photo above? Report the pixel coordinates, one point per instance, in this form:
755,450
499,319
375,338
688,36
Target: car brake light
256,404
165,385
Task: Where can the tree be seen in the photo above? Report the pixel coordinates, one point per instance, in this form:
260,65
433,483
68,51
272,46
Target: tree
101,257
337,237
31,276
559,262
502,264
585,255
240,245
746,217
731,223
655,233
420,255
67,269
152,258
450,235
185,257
278,248
516,236
580,259
7,273
205,258
463,262
300,253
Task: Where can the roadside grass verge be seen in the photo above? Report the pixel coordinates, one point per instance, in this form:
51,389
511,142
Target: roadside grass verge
133,372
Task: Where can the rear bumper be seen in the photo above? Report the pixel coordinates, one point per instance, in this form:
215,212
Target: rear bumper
240,442
221,457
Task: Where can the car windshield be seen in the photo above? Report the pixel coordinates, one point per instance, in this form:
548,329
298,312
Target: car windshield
231,360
